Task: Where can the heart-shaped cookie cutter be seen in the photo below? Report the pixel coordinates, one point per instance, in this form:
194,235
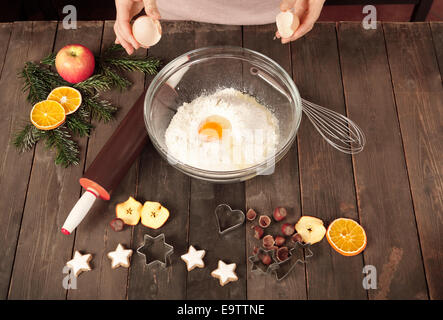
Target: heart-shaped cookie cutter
228,219
155,250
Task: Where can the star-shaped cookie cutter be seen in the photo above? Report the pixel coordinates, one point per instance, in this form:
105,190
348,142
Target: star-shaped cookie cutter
228,219
155,250
284,268
257,265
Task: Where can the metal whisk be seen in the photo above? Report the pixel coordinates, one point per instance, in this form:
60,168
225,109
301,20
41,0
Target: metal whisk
339,131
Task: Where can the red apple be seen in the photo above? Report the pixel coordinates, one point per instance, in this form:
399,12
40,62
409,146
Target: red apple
75,63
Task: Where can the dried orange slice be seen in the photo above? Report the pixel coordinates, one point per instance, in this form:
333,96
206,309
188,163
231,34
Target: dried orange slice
47,115
68,97
346,237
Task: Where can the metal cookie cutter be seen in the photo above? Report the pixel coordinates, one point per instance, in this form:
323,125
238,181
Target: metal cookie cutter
155,250
284,268
257,265
228,219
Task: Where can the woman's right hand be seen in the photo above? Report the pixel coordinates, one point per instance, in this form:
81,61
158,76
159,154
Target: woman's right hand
126,10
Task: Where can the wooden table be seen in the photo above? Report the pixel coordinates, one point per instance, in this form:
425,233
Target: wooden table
388,80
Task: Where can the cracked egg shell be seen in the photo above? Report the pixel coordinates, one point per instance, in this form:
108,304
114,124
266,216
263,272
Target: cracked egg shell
146,31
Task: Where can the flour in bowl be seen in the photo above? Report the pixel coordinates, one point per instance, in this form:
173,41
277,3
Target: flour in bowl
226,130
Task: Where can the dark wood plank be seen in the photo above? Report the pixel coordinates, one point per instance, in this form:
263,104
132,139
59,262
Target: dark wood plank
437,37
42,249
326,178
95,234
282,188
382,185
206,196
158,181
9,249
419,97
5,35
28,41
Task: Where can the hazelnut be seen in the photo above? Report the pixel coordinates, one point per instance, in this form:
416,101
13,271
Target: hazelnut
265,259
287,229
282,254
279,240
297,238
251,214
117,224
264,221
268,241
258,232
279,213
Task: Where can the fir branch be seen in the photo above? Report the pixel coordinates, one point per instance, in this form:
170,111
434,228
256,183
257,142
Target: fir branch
67,150
95,83
82,113
39,81
117,80
99,109
146,65
78,125
49,60
112,50
26,138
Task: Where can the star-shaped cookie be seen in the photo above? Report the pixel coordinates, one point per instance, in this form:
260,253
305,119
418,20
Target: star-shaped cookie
79,263
225,273
194,258
120,257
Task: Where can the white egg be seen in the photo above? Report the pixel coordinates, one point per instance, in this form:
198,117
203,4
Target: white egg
146,31
287,23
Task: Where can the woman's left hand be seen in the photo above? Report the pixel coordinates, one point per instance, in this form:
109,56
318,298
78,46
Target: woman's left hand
307,11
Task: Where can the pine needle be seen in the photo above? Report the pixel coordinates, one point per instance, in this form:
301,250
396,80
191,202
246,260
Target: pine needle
78,126
49,60
67,150
146,65
112,57
113,49
117,80
99,109
26,138
95,83
39,81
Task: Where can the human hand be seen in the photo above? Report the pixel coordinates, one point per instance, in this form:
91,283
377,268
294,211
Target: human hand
126,10
307,11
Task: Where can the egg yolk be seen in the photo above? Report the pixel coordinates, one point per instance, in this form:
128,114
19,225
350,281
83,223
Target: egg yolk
211,129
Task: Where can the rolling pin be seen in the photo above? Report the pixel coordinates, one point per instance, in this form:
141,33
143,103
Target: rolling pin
118,154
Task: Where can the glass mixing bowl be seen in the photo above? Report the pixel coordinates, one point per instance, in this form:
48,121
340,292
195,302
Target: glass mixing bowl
205,70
